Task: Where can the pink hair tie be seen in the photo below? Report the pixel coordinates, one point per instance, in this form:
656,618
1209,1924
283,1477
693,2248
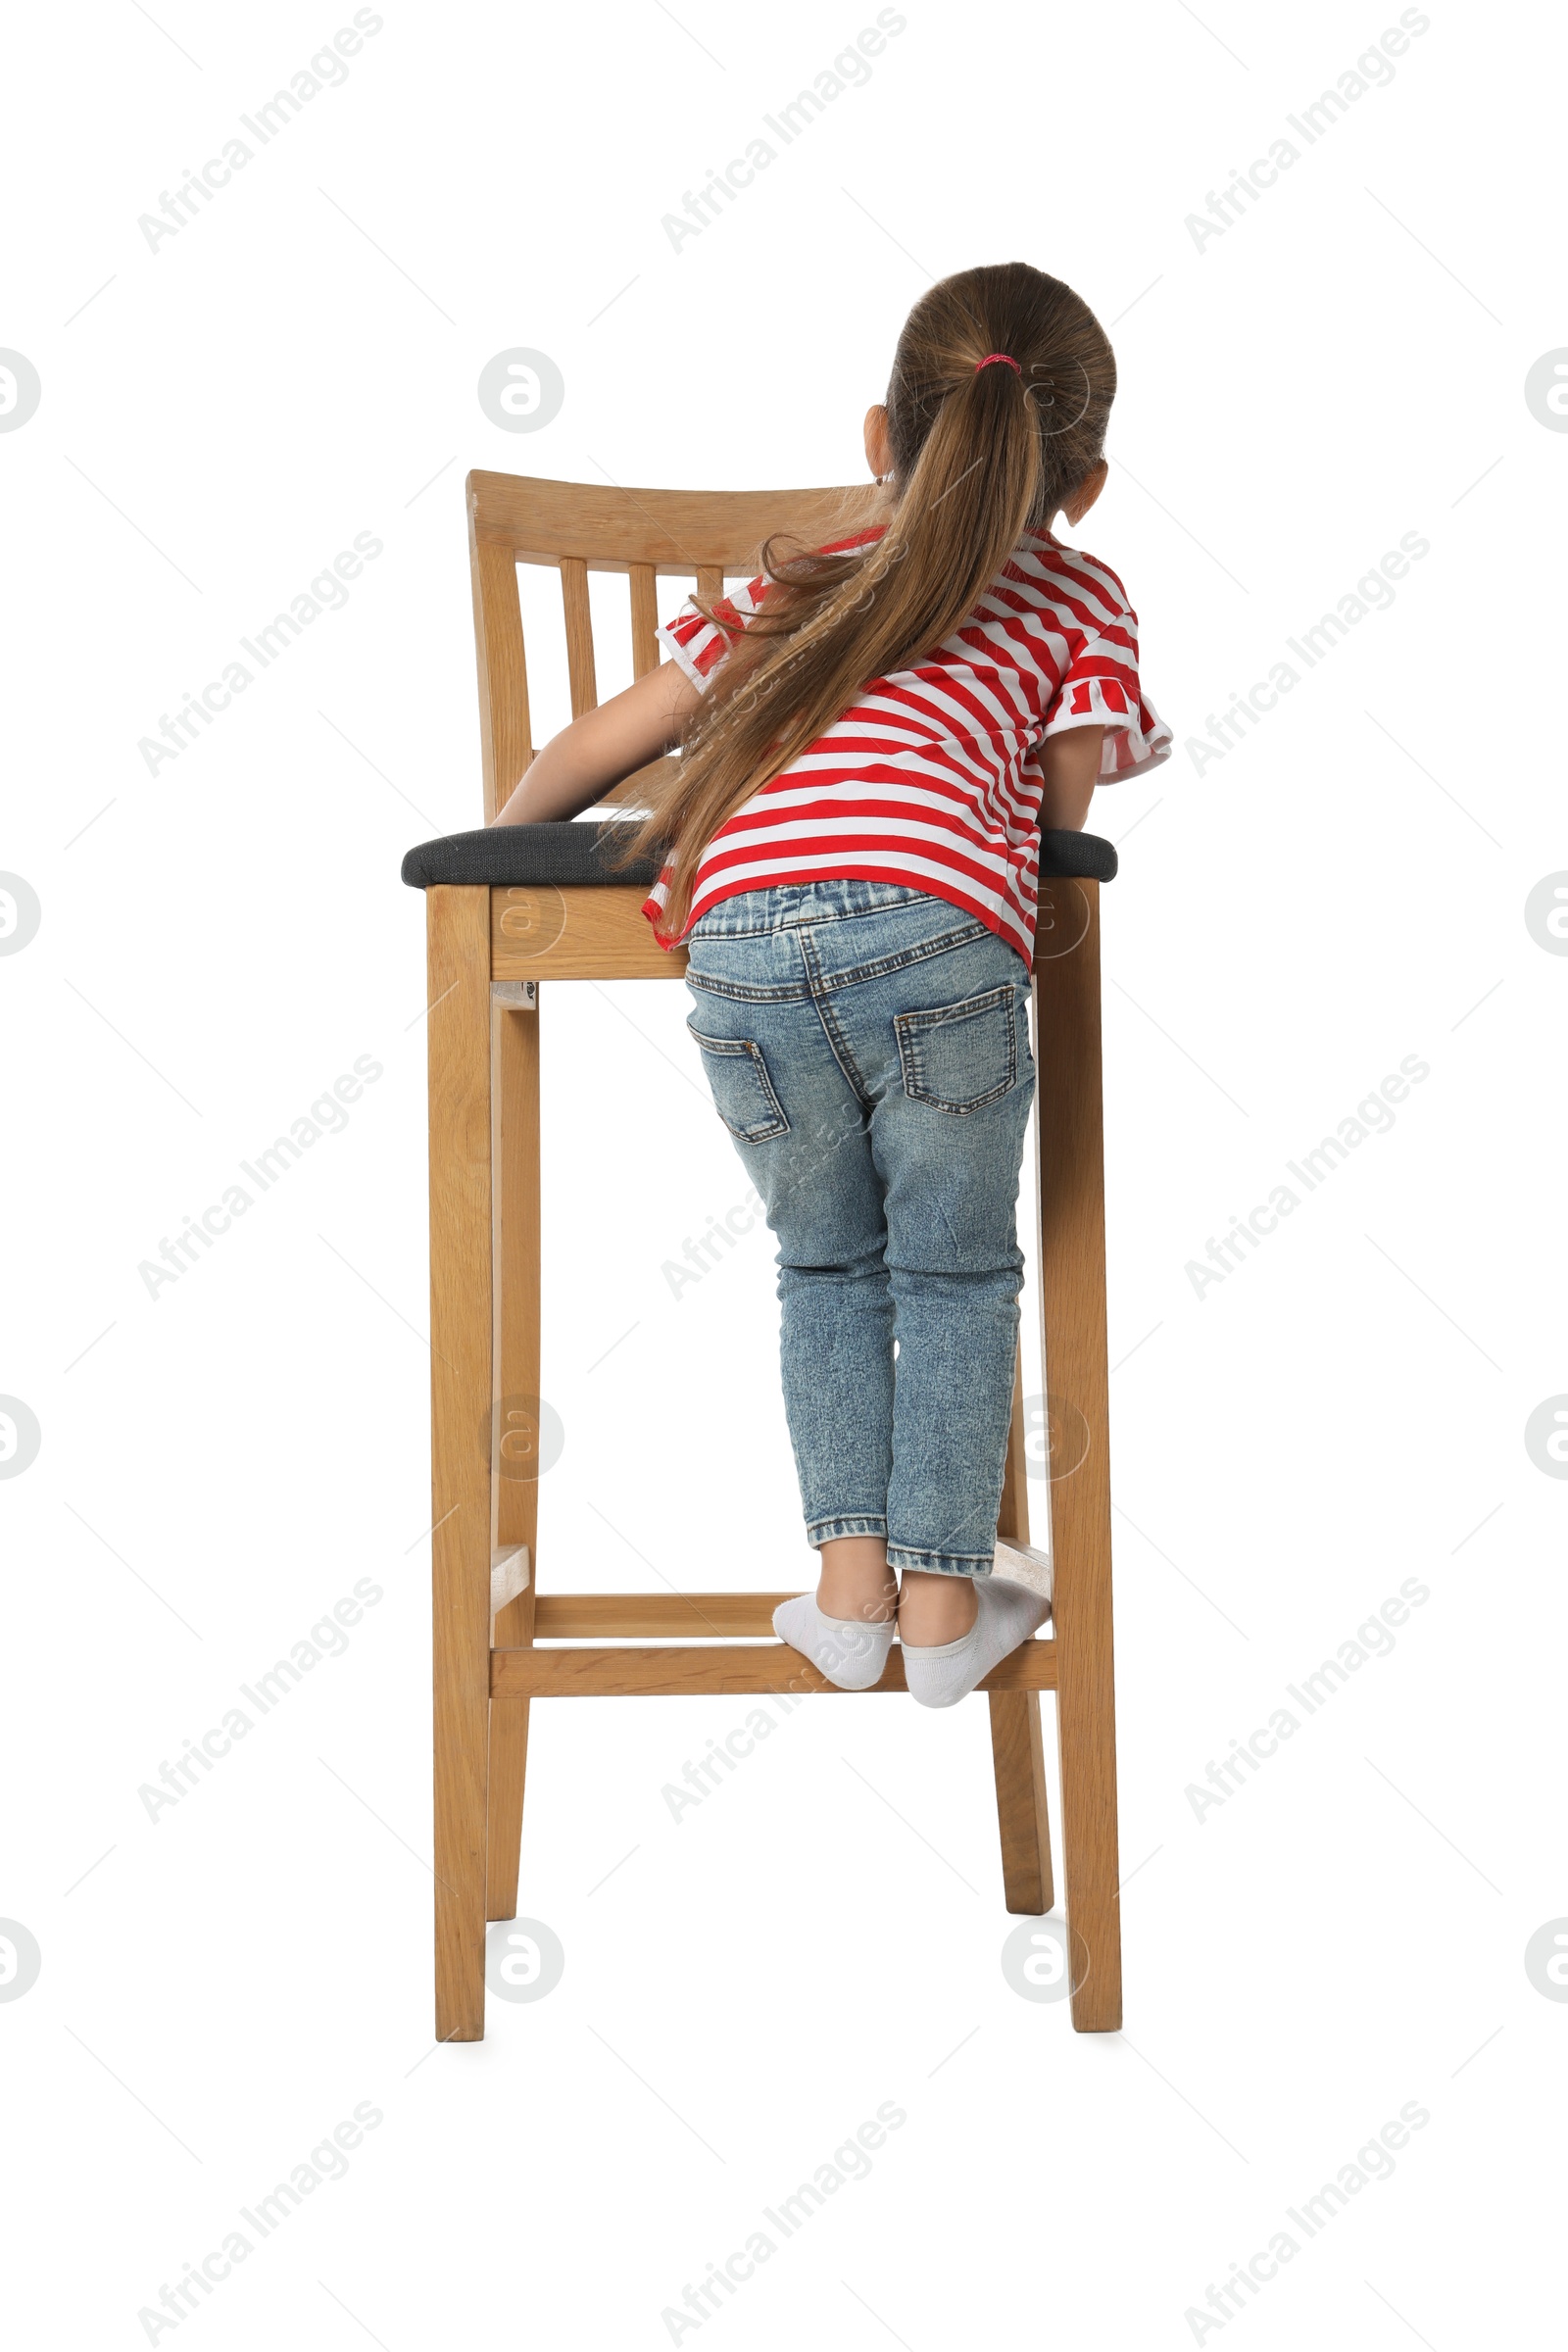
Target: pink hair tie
990,358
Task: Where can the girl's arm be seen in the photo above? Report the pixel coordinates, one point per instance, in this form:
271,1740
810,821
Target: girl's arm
1068,766
577,767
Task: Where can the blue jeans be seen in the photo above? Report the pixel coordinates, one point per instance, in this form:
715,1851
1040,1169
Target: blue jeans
867,1046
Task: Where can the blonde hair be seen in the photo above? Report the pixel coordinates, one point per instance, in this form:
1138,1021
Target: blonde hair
980,455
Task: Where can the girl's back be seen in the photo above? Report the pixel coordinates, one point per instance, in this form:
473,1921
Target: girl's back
921,780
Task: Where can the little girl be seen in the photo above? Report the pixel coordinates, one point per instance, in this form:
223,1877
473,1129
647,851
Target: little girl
873,737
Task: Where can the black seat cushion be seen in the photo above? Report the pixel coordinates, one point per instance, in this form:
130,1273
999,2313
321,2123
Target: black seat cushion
503,856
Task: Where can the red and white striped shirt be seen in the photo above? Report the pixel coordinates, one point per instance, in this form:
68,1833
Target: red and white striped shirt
921,781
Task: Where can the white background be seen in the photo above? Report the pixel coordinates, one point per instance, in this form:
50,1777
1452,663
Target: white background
219,1463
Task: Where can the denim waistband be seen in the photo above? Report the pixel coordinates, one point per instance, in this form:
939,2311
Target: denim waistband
754,911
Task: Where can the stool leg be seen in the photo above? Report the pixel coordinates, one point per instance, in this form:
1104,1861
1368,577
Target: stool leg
509,1767
1072,1292
1018,1747
460,1287
516,1067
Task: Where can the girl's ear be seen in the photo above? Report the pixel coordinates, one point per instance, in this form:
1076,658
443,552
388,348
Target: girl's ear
1083,498
878,452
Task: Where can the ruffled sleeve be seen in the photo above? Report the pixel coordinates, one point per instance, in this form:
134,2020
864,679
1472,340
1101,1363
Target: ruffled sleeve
1101,687
699,645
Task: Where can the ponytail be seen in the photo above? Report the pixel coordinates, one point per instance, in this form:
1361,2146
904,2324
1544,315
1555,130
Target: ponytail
982,451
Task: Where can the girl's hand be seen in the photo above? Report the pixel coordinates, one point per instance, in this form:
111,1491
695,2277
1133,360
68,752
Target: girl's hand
580,765
1068,767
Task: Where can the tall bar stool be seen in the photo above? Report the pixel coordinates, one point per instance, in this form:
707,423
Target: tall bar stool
515,909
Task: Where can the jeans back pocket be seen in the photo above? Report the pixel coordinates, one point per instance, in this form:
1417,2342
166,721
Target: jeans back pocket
742,1090
959,1056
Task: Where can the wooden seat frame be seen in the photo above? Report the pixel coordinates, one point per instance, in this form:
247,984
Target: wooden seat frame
490,953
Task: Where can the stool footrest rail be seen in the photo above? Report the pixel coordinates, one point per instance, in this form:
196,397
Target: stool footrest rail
672,1671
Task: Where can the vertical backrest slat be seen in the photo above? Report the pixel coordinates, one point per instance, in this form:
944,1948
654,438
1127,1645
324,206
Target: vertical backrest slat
580,635
504,724
654,536
644,619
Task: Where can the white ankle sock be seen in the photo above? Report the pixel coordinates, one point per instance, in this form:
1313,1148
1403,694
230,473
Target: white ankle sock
1022,1564
850,1654
1007,1613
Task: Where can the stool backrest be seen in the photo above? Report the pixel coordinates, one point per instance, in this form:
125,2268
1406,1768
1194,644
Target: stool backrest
586,527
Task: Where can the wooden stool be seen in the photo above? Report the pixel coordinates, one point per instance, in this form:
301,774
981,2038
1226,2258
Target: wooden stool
512,907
